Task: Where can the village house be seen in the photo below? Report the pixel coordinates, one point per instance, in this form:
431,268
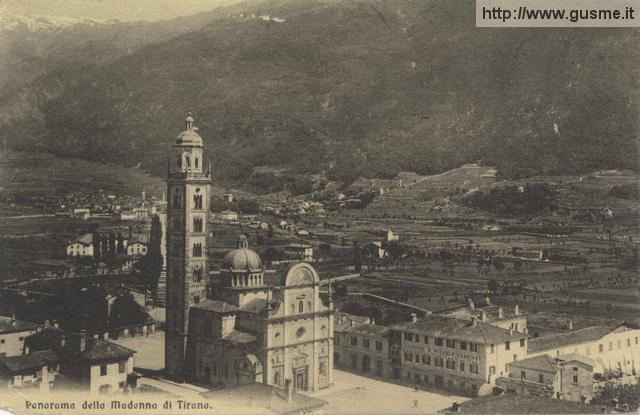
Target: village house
567,377
612,348
81,246
302,252
137,249
31,370
12,335
229,215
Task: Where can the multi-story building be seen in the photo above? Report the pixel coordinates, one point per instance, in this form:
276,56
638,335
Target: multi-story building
361,346
455,354
612,348
12,335
567,377
188,187
507,318
302,252
249,331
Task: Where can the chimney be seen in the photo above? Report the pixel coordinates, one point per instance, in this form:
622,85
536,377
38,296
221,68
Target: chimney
483,315
500,313
516,310
414,317
570,325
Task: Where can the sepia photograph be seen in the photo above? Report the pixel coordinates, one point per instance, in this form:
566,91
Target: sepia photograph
319,207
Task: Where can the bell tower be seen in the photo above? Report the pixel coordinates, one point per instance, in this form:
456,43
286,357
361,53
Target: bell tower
188,187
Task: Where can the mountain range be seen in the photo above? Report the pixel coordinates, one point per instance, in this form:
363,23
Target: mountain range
345,88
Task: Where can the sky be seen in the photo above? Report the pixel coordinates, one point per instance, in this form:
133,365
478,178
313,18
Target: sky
124,10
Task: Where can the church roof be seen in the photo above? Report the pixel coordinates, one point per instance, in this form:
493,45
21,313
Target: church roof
255,306
189,137
216,305
242,260
237,336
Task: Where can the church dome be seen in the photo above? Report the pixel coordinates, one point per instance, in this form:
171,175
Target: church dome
190,136
242,259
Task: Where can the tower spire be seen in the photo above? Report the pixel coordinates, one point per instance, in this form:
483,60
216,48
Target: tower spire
189,122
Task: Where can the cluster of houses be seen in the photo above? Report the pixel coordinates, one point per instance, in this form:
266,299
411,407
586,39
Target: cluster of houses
485,349
48,358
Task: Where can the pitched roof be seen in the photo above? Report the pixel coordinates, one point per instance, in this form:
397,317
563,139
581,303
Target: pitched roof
512,403
571,337
33,360
369,329
215,305
255,306
458,329
543,362
99,350
86,239
11,325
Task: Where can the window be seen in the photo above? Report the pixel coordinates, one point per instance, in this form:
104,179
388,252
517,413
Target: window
610,346
521,342
408,336
197,201
276,379
21,338
451,344
197,250
600,348
628,342
103,370
337,340
354,341
515,357
195,162
365,343
540,378
636,340
492,370
507,345
197,224
379,370
439,341
473,368
463,345
2,341
462,365
438,362
574,377
523,375
378,345
122,367
408,356
121,385
354,361
473,347
492,348
197,274
451,364
323,368
426,339
426,360
416,377
300,332
300,306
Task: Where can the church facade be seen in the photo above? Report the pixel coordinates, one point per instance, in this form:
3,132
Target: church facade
240,329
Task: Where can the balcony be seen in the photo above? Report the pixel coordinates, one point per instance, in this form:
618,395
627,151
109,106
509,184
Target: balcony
189,175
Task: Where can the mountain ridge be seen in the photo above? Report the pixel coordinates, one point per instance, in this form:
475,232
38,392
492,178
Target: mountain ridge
350,89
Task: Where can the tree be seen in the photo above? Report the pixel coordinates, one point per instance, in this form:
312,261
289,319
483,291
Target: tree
151,263
624,394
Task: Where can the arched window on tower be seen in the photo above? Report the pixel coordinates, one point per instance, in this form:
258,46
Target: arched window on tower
195,162
197,224
197,201
309,306
197,250
300,306
188,160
